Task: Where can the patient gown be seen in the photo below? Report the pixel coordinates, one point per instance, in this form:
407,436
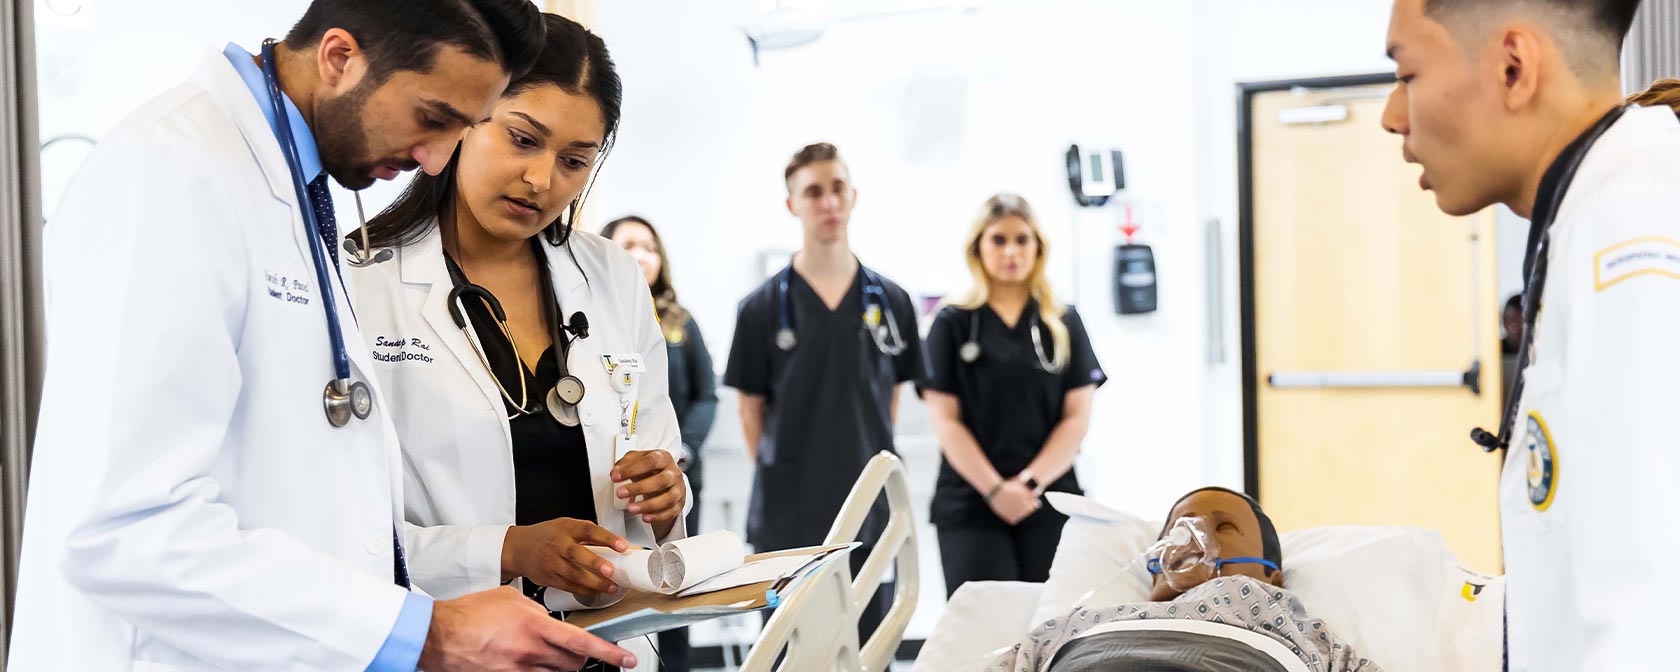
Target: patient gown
1239,601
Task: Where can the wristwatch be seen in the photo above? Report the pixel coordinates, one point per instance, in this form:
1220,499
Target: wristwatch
1026,478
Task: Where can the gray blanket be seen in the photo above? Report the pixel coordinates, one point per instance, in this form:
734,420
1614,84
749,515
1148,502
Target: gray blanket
1160,651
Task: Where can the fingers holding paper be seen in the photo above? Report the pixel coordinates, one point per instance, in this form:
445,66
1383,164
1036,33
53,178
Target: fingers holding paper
554,554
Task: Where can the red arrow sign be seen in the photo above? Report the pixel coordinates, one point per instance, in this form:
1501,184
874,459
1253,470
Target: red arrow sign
1129,228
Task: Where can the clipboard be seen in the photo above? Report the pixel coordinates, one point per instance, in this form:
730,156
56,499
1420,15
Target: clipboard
644,613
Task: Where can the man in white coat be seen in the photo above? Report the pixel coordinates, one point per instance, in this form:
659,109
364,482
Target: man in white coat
1518,102
191,507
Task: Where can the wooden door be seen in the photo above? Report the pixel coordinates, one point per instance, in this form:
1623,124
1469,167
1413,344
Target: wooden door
1366,301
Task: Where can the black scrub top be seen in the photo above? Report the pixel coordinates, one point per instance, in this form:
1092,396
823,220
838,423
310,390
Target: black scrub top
827,409
1007,399
550,460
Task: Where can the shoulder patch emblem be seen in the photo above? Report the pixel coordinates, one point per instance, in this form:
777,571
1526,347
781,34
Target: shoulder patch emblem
1652,255
1542,463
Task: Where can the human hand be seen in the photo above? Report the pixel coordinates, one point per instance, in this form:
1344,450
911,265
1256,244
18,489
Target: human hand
654,476
1014,501
552,554
500,629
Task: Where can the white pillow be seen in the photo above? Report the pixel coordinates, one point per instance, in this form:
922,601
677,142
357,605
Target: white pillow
1390,591
1376,587
981,619
1097,544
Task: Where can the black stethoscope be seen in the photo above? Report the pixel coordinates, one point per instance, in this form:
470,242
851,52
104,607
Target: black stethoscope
562,401
342,398
1539,239
970,350
877,314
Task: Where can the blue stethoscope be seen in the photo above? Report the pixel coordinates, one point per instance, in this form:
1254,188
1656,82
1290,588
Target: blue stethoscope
342,398
875,308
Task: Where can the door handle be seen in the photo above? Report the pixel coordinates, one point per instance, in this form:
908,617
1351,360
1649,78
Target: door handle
1420,378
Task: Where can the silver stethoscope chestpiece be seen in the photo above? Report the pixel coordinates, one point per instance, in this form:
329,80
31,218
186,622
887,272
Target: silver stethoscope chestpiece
361,400
569,390
336,400
566,414
786,340
340,403
969,352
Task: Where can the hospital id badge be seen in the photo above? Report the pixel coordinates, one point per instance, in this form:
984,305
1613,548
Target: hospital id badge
622,445
623,370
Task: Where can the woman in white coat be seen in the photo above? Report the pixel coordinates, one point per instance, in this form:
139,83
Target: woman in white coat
484,325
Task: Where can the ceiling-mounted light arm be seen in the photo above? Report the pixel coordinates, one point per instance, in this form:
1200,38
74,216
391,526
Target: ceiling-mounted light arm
783,27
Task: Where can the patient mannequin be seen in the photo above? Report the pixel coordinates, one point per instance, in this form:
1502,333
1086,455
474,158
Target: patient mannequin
1241,529
1217,562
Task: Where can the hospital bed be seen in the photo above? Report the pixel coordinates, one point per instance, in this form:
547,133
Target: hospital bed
1396,594
815,627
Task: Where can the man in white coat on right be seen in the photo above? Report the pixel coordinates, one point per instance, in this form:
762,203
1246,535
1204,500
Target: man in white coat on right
1519,102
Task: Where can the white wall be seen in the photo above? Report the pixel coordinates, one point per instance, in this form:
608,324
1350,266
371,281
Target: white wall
935,113
94,69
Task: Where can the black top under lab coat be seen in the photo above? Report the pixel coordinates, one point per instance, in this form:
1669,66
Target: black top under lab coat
693,393
827,409
1008,400
550,460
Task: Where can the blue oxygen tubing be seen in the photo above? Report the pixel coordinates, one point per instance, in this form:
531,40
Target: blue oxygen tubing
1154,564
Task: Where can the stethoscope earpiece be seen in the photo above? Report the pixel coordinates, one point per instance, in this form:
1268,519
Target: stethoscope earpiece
359,260
359,255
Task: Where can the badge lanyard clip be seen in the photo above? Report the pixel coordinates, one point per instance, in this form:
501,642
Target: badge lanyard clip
624,371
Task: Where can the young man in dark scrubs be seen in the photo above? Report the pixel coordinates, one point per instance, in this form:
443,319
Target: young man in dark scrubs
819,353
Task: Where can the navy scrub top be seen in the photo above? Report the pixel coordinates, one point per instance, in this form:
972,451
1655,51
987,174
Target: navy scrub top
1007,399
827,409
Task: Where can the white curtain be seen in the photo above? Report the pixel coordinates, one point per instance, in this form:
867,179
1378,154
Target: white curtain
1652,51
20,284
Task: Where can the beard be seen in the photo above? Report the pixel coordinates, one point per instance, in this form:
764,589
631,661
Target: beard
342,138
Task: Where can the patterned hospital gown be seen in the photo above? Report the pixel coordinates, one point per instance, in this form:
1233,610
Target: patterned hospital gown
1236,601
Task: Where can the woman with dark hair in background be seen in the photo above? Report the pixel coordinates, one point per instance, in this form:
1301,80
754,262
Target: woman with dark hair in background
693,384
524,371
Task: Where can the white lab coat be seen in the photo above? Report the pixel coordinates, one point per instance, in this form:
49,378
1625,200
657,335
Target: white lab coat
190,507
1590,549
457,447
